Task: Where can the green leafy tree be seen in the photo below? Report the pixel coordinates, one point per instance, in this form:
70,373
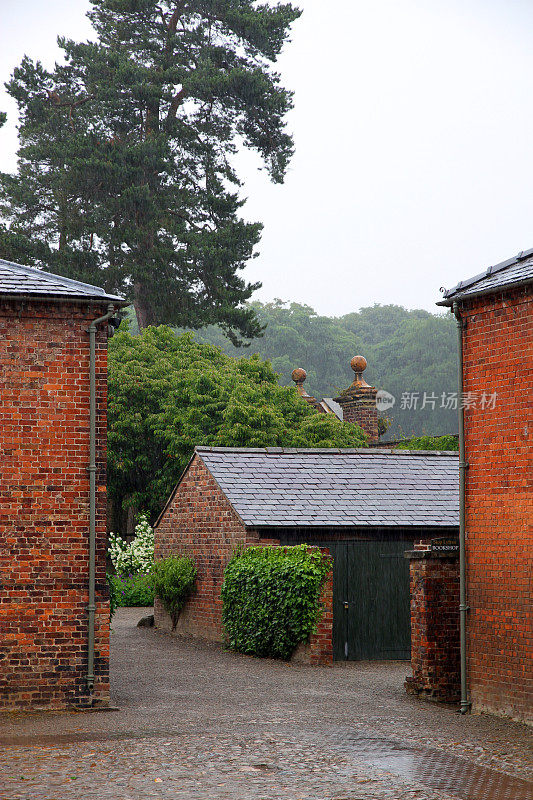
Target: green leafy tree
168,393
408,353
125,162
296,336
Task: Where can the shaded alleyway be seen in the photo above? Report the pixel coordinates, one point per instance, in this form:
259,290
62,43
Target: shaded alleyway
196,722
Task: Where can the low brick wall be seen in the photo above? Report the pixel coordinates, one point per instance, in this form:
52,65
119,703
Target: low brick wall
435,649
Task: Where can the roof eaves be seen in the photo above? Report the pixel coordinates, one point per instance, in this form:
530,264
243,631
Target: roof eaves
66,298
450,299
455,293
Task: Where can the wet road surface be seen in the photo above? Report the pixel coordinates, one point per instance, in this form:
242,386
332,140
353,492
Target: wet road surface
198,723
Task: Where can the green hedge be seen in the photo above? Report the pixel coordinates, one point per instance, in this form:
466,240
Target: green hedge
271,598
131,590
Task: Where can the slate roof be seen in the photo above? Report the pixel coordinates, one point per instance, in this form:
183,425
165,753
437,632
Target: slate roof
327,487
18,280
333,407
515,271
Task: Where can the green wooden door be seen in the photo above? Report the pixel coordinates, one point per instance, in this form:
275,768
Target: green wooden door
371,603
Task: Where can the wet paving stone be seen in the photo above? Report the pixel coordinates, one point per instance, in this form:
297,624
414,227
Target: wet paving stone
442,771
198,723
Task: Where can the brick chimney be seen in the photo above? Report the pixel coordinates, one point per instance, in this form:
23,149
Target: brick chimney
299,375
358,402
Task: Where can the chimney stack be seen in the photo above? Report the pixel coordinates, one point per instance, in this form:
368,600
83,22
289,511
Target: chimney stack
358,402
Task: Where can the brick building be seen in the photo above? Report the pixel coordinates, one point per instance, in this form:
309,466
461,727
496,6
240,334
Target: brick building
495,310
46,605
364,506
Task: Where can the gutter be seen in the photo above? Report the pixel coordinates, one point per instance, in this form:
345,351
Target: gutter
91,608
60,298
504,288
463,607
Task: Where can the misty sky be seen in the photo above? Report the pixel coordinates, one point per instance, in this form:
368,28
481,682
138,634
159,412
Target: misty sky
413,125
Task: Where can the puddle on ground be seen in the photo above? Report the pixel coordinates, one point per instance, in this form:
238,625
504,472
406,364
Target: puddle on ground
439,770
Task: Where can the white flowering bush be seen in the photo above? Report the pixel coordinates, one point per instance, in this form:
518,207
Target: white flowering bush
137,556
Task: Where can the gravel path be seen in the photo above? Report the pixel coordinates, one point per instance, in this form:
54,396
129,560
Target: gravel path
198,723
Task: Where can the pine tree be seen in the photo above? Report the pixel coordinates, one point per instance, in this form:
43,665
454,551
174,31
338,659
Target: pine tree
125,162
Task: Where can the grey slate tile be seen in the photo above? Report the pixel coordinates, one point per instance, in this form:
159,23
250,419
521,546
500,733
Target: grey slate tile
16,279
337,487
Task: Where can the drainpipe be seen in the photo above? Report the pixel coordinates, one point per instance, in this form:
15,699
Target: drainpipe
463,607
91,608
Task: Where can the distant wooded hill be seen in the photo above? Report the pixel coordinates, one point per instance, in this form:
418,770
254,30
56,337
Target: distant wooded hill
409,353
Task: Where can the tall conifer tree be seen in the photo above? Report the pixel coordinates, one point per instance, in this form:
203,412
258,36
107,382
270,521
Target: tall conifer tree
125,162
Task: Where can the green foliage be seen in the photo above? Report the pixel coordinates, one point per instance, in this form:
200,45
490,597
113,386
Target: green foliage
296,336
133,590
126,175
407,351
168,393
430,443
271,598
174,579
113,594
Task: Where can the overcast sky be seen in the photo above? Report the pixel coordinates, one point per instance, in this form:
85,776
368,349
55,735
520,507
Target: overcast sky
413,125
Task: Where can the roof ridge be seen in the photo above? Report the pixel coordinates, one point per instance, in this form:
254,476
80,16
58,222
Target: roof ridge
326,450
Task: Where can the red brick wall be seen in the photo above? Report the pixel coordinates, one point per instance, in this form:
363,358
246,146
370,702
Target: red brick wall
498,357
201,523
44,505
435,659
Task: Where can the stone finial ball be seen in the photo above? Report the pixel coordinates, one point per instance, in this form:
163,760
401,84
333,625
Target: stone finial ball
358,363
299,374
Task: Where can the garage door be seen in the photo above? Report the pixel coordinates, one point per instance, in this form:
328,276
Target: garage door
371,603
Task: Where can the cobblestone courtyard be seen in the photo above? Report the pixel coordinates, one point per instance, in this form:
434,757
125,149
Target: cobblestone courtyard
197,722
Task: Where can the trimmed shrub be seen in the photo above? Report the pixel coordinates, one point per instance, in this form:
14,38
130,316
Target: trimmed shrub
133,590
271,598
174,579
